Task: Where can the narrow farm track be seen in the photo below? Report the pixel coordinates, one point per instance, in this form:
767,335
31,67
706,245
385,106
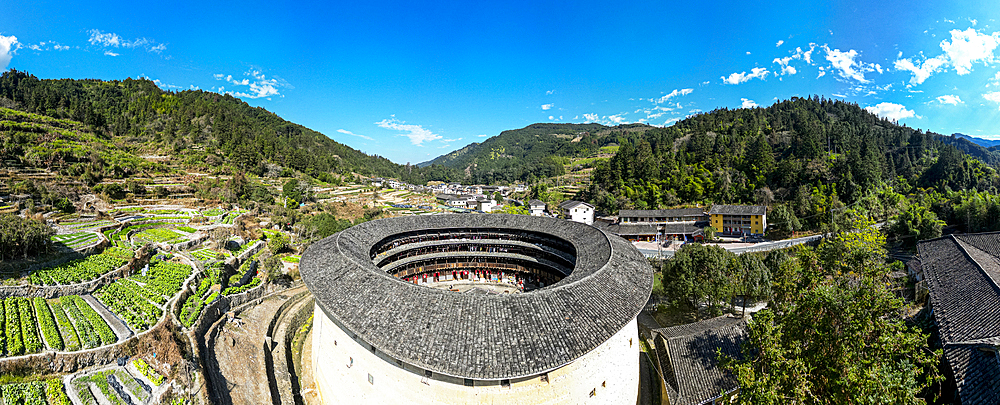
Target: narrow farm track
121,330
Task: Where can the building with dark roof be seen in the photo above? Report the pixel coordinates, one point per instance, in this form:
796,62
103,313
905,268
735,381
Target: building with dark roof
536,208
578,211
686,360
963,278
392,325
676,215
738,220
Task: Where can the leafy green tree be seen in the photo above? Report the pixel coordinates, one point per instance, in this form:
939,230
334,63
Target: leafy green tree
22,236
277,243
914,224
291,190
834,333
697,275
512,209
783,222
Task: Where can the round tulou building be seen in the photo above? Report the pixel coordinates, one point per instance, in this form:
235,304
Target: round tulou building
467,309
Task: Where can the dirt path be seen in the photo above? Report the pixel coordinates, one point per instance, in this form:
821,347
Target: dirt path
240,349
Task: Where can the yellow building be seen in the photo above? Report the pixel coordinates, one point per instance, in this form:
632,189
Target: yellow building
738,220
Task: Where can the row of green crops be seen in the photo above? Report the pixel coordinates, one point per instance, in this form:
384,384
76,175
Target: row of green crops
159,235
75,240
196,302
137,299
148,371
84,314
206,254
86,269
239,289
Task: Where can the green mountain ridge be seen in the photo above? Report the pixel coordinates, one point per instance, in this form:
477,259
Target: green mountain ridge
534,152
197,128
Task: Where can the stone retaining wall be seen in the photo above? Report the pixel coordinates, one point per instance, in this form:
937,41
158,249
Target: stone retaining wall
68,362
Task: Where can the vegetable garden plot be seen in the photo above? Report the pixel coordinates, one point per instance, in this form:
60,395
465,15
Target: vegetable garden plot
204,254
75,240
160,235
86,269
148,372
88,322
71,340
137,299
32,393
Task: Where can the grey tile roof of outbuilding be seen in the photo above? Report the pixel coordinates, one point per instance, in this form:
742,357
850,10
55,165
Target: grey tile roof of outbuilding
693,361
738,210
535,203
568,205
486,337
675,212
962,273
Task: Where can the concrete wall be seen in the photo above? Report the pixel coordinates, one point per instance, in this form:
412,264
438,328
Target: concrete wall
347,371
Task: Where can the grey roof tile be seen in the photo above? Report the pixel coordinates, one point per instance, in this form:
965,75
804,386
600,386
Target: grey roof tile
488,337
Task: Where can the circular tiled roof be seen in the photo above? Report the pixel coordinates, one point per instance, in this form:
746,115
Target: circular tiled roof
486,337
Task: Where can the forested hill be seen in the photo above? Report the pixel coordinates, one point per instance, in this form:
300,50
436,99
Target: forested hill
533,152
811,154
202,128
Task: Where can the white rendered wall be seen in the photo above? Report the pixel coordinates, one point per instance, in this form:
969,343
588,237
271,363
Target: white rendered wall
610,371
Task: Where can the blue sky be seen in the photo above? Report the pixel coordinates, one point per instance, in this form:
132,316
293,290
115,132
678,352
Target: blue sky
411,81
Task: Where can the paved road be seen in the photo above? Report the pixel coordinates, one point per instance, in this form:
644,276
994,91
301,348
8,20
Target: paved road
759,247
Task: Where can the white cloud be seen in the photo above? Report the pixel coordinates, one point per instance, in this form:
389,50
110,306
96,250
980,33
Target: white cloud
672,94
994,96
7,47
417,134
965,49
968,47
451,140
61,47
995,81
748,52
552,118
112,40
483,136
259,87
743,77
891,111
591,117
822,72
550,92
617,119
923,71
104,38
547,106
34,47
344,131
748,103
949,99
846,65
109,53
780,41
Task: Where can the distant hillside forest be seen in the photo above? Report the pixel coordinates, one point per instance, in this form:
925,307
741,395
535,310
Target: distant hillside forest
206,130
532,153
812,155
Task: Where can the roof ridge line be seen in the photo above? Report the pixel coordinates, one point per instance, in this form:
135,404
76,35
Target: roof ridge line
962,246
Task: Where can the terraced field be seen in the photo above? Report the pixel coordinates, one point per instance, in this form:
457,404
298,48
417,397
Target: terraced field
35,325
205,254
159,235
48,392
86,269
76,239
139,299
116,385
